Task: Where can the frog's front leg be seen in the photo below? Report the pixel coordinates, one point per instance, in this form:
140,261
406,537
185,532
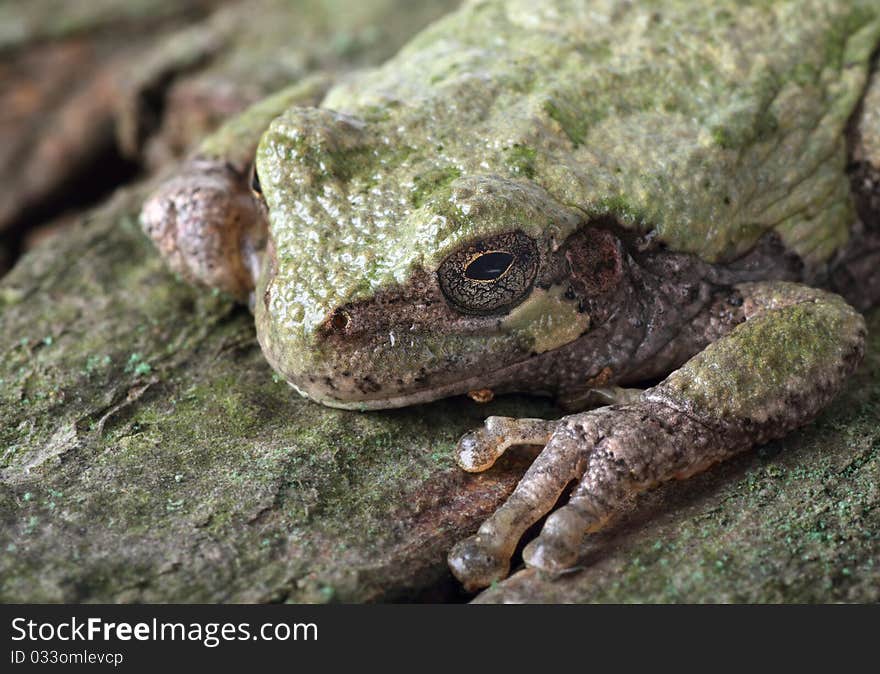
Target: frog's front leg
770,374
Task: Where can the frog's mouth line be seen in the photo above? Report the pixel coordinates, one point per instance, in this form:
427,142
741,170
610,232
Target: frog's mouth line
499,381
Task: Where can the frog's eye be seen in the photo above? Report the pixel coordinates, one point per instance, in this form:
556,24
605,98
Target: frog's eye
255,181
490,276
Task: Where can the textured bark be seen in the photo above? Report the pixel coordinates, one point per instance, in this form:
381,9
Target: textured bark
63,68
95,90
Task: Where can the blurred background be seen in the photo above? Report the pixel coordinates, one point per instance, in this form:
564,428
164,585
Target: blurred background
98,93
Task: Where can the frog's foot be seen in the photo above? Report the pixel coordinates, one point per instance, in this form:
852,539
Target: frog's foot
771,373
485,557
479,558
600,448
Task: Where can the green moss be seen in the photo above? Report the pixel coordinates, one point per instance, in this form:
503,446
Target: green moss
137,365
95,362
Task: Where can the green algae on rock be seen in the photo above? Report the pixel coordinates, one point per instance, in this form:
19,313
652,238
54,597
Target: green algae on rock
176,450
205,481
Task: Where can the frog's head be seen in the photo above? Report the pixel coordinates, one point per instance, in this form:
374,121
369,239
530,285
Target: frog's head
377,292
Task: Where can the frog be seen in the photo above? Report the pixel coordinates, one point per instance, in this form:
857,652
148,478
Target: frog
665,215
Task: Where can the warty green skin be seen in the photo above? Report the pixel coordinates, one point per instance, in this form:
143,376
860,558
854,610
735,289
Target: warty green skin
707,127
673,164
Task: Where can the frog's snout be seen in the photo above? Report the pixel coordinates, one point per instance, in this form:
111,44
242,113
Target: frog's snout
208,226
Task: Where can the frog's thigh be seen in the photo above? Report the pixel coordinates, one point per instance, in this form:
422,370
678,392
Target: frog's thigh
772,373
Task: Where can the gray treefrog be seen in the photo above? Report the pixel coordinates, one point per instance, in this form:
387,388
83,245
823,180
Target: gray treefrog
564,198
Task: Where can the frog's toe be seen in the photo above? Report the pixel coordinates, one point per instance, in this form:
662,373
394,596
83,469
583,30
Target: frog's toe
558,546
476,564
480,449
485,557
476,452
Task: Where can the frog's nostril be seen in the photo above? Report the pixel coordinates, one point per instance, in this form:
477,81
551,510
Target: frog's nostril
339,321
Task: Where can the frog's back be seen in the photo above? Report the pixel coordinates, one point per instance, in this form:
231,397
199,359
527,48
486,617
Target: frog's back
711,122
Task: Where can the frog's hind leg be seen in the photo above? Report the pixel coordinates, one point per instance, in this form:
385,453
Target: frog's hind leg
772,373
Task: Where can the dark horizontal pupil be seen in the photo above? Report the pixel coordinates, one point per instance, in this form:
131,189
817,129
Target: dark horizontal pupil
489,266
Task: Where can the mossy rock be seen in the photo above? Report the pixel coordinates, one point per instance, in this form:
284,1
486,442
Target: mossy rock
149,454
